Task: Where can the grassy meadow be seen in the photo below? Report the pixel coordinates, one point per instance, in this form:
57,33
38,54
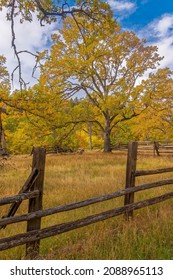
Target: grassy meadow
71,178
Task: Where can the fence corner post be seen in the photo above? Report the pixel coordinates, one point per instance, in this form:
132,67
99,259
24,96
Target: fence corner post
38,162
130,175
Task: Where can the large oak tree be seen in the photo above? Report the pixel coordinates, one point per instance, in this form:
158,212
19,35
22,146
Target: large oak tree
99,60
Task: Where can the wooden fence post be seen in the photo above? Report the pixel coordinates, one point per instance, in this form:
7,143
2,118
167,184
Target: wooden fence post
156,148
39,156
130,175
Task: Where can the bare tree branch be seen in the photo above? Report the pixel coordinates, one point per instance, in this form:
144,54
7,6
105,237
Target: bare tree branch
47,15
21,81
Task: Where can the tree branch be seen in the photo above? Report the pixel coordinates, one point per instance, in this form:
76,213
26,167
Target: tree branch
59,11
21,81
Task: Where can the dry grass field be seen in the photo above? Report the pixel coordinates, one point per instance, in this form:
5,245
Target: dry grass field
71,178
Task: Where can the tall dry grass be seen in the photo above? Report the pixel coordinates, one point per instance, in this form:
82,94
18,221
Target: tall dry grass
71,178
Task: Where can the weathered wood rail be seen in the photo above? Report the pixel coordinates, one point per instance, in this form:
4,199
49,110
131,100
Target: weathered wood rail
33,191
156,148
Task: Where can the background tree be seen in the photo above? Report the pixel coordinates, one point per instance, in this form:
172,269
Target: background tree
4,78
44,118
157,120
4,93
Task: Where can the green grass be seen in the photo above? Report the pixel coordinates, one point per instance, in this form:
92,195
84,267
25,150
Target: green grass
71,178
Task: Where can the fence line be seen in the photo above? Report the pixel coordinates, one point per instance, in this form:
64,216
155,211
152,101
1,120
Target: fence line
36,235
84,203
33,190
156,148
132,173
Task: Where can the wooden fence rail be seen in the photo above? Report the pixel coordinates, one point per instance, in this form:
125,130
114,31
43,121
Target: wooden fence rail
152,172
36,235
159,148
132,173
76,205
33,190
23,193
18,198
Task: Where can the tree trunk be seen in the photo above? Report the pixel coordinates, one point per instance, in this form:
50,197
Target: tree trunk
2,137
3,141
90,136
107,135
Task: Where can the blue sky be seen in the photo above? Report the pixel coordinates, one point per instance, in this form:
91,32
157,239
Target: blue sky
145,11
150,19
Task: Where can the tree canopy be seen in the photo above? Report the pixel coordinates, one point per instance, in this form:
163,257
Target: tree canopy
103,63
99,85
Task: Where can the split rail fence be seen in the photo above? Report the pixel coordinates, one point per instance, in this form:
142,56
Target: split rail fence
156,148
33,191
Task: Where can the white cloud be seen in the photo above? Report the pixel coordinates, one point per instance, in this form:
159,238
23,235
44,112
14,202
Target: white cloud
122,7
165,25
160,27
29,36
165,48
160,33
